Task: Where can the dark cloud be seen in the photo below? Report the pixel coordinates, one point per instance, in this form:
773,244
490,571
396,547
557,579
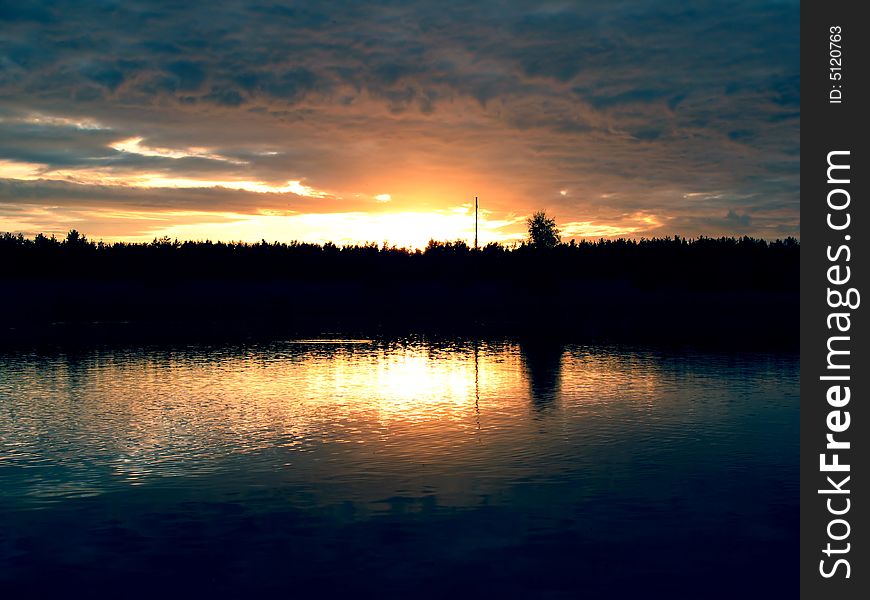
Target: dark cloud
24,11
188,75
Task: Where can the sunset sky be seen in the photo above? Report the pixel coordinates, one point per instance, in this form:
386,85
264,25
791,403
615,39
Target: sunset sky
380,121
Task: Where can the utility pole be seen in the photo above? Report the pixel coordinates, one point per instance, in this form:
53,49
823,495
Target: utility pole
475,222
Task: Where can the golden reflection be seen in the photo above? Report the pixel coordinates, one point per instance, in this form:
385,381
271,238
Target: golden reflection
389,407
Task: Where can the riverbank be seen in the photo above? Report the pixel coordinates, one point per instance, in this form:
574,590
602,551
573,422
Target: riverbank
46,310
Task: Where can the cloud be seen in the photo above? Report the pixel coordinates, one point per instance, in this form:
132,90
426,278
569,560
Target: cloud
512,101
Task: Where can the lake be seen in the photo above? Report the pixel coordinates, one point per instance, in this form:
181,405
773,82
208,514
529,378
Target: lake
399,468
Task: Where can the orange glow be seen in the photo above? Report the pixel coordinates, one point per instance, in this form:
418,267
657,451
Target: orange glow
402,229
425,201
632,224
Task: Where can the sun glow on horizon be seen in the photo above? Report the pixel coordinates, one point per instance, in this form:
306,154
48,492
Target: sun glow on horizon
414,220
407,229
345,217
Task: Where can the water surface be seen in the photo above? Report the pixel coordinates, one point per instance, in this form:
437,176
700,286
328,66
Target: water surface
399,468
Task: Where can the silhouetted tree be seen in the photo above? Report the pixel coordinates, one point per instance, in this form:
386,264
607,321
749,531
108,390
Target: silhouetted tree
543,232
75,239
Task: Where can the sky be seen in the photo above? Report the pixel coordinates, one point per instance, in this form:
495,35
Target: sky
381,121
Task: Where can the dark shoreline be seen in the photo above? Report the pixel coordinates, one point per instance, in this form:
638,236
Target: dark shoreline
726,292
58,311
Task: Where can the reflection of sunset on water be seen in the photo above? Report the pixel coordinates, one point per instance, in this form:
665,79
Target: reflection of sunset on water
393,450
336,411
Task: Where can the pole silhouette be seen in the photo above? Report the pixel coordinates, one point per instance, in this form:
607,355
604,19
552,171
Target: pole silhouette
475,222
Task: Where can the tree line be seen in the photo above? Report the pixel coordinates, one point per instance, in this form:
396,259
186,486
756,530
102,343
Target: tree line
724,262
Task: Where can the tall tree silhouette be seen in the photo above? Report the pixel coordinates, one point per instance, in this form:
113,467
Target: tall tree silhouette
76,240
543,232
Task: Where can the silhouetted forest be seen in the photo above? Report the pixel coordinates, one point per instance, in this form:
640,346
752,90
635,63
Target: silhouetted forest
650,288
723,263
